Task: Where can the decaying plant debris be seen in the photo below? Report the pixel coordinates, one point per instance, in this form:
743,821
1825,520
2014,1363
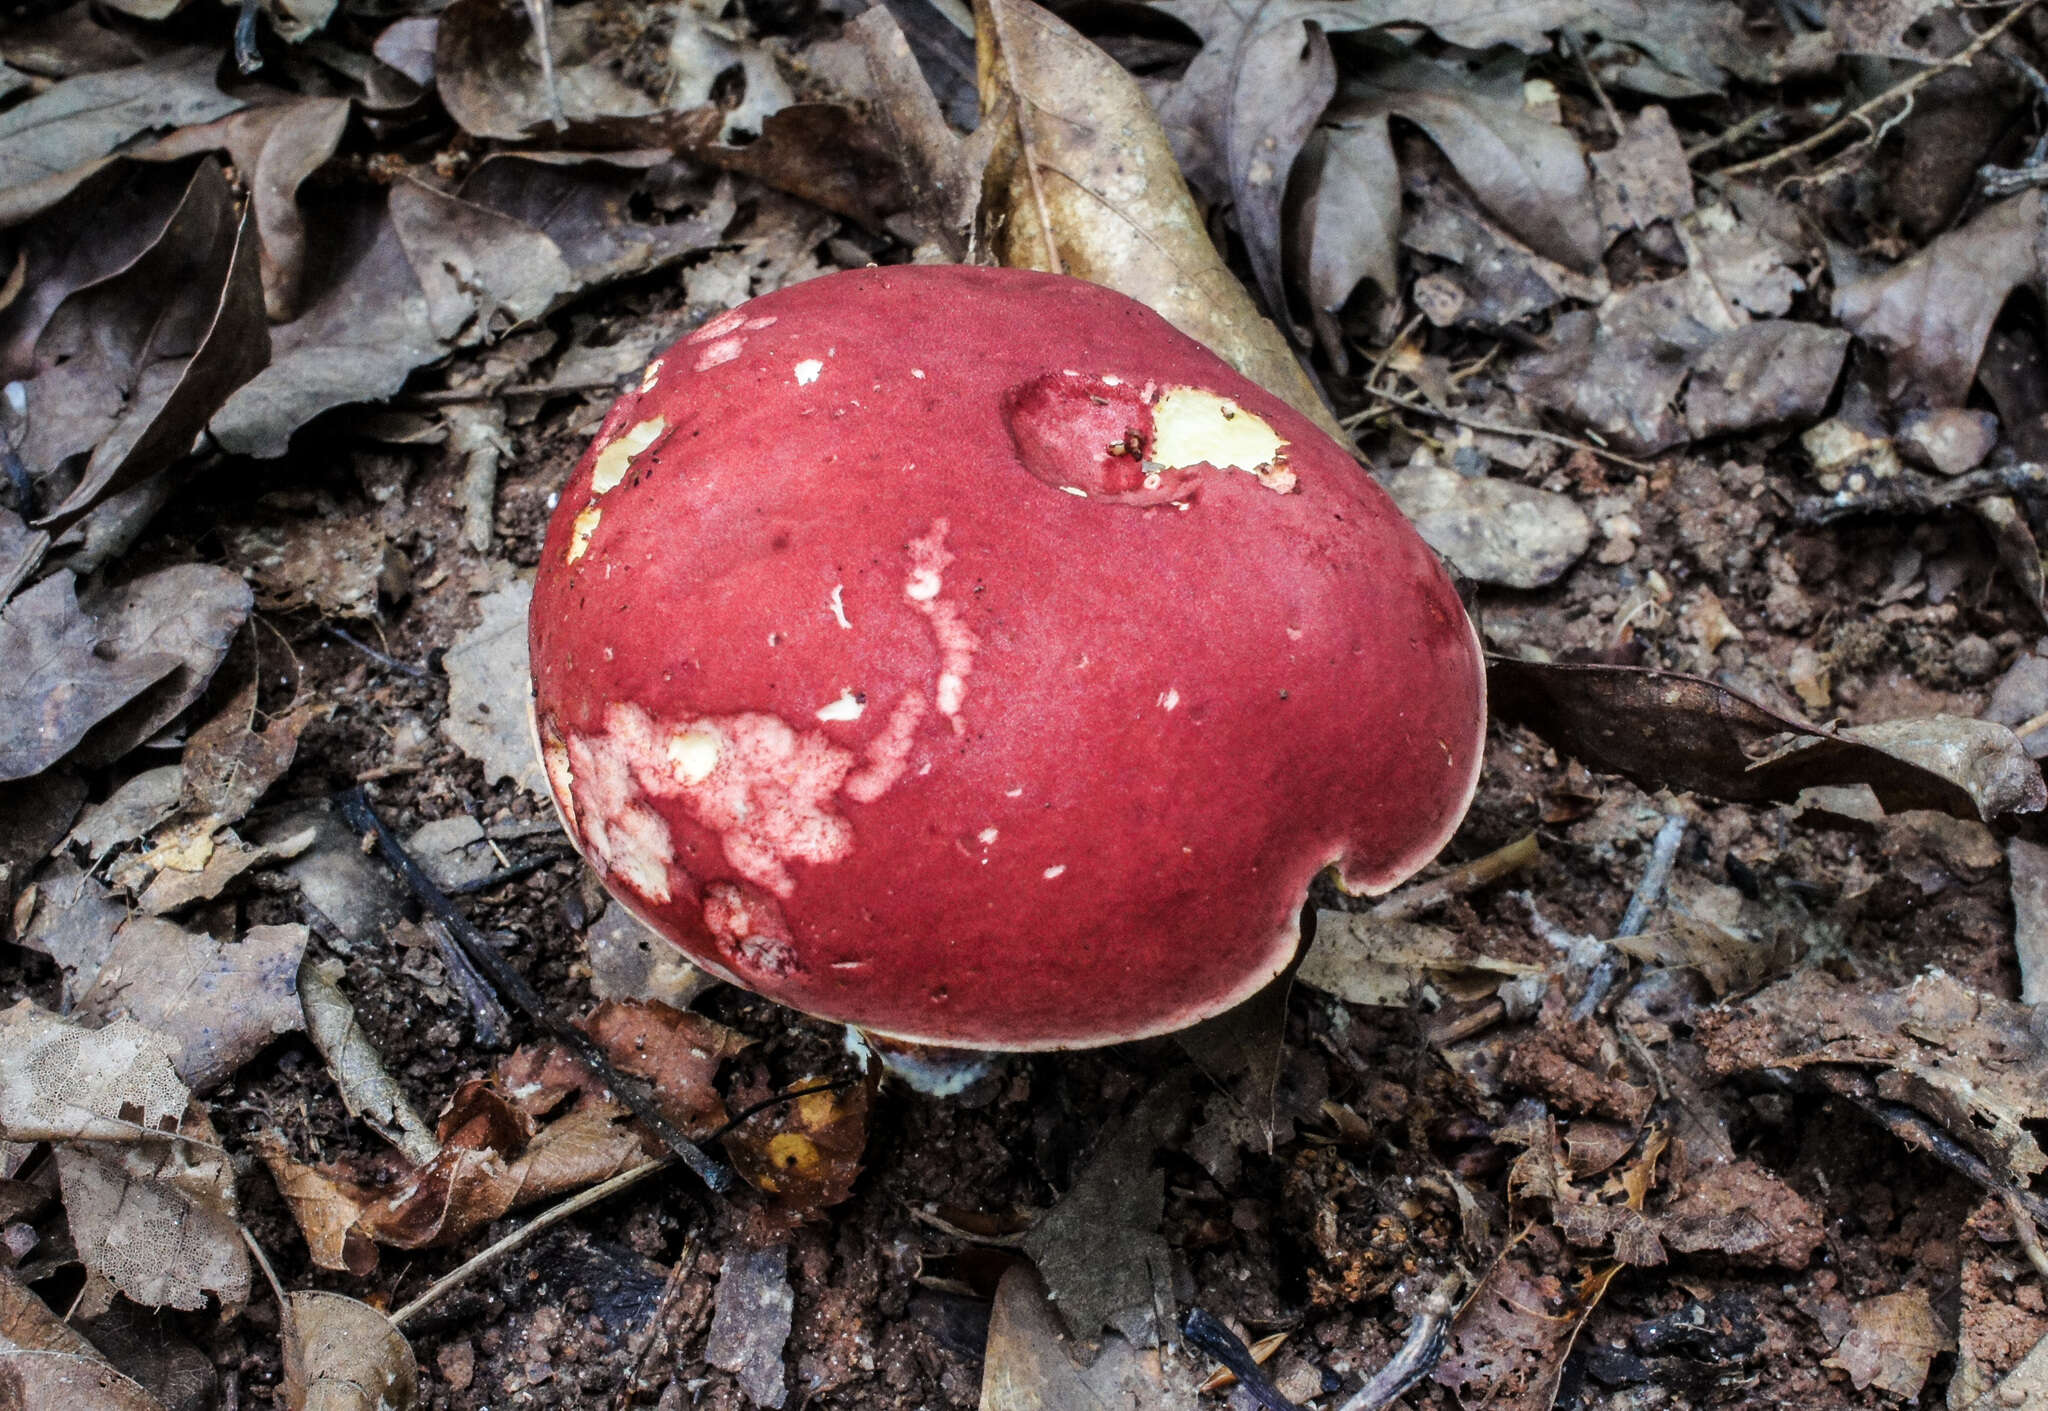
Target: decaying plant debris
1702,339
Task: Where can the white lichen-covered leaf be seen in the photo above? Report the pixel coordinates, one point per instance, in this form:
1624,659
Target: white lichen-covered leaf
59,1082
157,1219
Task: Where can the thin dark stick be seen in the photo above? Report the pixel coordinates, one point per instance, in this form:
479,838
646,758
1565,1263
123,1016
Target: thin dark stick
503,875
418,673
493,1025
1916,1129
1919,494
355,807
1206,1333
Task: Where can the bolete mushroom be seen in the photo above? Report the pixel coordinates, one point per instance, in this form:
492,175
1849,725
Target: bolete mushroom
969,656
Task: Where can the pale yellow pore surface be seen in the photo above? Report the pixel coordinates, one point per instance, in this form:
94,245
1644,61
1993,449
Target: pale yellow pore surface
617,456
1191,426
580,529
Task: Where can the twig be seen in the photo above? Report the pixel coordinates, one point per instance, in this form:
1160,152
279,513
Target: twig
418,673
1916,1129
1497,428
1571,42
523,868
355,807
2027,1233
462,396
487,1016
284,1308
1657,872
1904,89
1729,136
553,1215
1411,902
1206,1333
1908,493
1418,1354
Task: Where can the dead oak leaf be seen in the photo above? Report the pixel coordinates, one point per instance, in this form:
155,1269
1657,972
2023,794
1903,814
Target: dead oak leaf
58,686
1891,1340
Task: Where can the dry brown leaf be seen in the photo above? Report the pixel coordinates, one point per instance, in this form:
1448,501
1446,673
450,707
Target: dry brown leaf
1363,959
62,686
221,1001
343,1355
33,1380
229,764
1931,314
487,691
1026,1364
679,1053
130,368
27,1323
74,924
191,611
805,1153
157,1219
1508,1343
1099,1248
1968,1060
59,1082
48,145
1891,1340
1663,729
367,1088
276,147
1081,180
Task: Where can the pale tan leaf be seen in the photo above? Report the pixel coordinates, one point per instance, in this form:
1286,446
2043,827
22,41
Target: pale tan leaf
342,1355
1082,181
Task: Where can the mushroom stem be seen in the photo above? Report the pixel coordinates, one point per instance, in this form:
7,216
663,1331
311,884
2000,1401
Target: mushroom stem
925,1068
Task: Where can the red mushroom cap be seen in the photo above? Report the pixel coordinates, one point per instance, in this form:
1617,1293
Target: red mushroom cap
968,655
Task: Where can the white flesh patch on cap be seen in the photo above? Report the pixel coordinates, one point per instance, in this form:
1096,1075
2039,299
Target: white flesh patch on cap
839,606
888,754
1054,872
617,457
807,371
651,376
956,641
1169,698
767,794
752,929
847,707
580,529
1191,426
626,838
714,354
554,756
717,327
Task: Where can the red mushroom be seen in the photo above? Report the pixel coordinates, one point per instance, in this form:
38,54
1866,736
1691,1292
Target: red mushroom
969,656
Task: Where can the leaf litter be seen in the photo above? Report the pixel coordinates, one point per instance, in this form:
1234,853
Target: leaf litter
1739,473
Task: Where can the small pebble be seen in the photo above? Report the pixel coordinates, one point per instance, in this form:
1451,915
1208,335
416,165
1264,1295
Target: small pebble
1974,659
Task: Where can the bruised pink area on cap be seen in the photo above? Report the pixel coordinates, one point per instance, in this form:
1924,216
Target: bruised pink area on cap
966,654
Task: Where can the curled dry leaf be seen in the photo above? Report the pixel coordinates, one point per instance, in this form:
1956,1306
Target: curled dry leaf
1891,1341
1665,730
678,1053
1931,314
1081,180
129,369
343,1355
63,685
276,147
367,1088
